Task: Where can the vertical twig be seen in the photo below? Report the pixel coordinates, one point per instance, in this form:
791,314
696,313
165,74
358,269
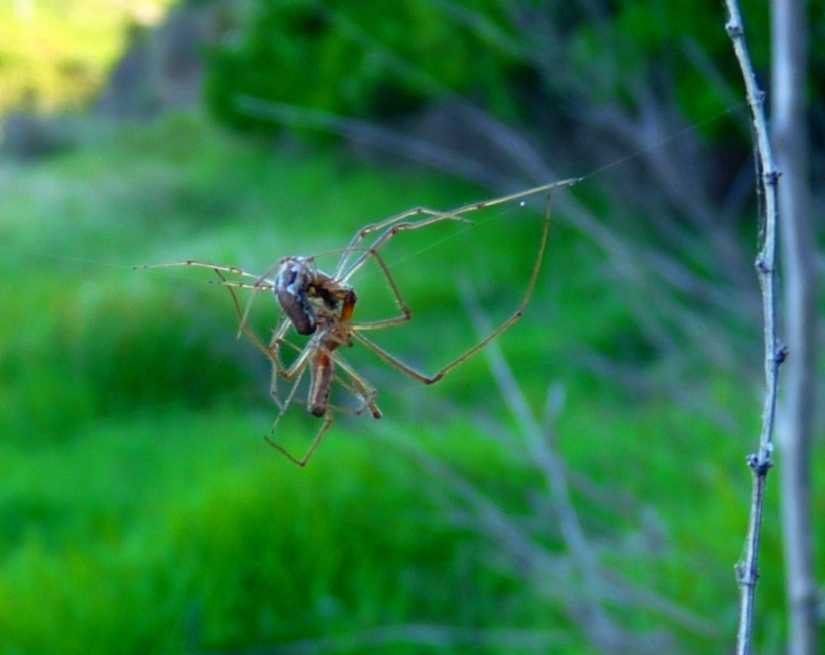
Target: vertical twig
760,462
796,414
604,633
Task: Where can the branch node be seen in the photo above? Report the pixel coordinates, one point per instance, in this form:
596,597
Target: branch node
762,265
781,354
733,29
771,177
745,576
760,463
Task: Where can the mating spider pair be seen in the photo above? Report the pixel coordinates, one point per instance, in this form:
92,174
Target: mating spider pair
320,305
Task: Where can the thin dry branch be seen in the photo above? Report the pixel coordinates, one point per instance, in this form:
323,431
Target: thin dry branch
598,586
601,628
420,635
373,135
747,571
798,241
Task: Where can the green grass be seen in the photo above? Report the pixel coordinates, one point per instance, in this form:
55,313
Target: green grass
140,510
122,548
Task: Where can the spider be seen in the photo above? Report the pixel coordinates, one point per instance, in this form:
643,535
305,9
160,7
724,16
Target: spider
322,305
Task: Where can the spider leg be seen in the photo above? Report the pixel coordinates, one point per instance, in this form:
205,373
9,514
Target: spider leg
364,232
406,312
391,232
392,360
342,409
261,284
245,329
279,338
273,351
192,262
266,286
355,392
297,367
329,419
288,401
366,392
395,224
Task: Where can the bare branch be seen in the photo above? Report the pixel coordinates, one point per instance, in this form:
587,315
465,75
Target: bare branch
761,461
598,586
370,134
796,426
418,634
602,630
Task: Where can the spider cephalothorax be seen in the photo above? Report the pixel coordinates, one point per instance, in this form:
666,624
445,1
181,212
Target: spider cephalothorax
321,306
309,296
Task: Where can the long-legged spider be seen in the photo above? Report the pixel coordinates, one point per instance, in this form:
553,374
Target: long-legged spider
320,305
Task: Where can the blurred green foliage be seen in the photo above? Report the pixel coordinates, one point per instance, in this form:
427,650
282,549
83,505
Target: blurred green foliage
141,512
139,509
385,61
355,58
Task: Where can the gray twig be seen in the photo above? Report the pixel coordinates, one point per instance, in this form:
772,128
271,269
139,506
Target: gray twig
798,240
422,635
604,632
597,588
371,134
747,571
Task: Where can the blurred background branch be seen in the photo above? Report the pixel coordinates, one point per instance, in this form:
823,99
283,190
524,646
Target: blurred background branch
797,425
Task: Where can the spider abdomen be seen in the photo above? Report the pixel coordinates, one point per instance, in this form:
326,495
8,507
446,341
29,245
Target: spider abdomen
320,385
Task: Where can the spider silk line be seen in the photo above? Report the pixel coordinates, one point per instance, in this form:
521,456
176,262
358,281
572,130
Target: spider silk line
576,182
100,263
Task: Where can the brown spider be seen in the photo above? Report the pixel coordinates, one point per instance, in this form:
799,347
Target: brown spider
321,306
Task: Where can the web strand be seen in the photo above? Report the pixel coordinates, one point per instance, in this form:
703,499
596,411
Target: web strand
471,225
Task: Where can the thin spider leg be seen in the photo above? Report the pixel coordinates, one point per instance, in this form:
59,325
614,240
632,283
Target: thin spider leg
388,234
298,349
362,394
364,232
244,285
503,327
271,352
454,214
367,393
275,375
363,401
243,317
264,285
192,262
247,331
300,362
406,312
278,338
288,400
329,419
